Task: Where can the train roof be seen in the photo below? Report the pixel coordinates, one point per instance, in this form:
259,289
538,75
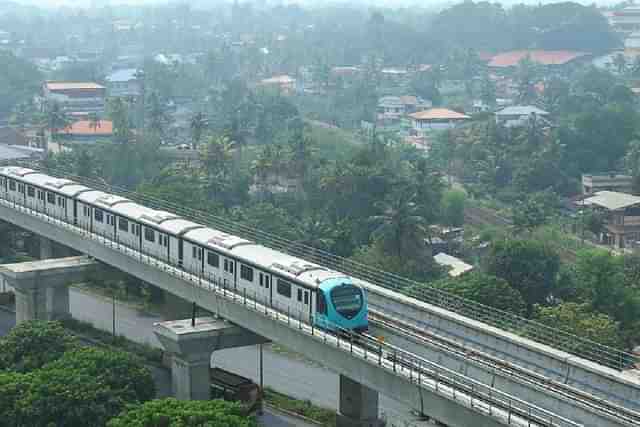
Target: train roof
100,198
60,185
179,226
216,239
286,265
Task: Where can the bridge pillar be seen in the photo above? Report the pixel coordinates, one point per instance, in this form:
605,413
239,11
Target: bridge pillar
358,405
46,248
191,348
42,287
49,249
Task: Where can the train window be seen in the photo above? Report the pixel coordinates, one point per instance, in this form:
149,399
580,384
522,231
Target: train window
246,273
299,295
41,195
267,281
164,240
31,192
59,201
135,229
12,185
51,198
21,188
306,297
123,224
321,306
213,259
261,279
149,235
193,251
98,215
284,288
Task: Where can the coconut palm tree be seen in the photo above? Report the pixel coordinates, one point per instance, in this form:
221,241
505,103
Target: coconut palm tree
400,227
57,120
198,124
94,121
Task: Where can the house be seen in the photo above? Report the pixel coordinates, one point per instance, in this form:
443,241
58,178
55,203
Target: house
394,107
124,83
456,266
512,58
19,152
622,221
84,131
626,20
519,115
435,119
285,84
609,181
12,136
85,97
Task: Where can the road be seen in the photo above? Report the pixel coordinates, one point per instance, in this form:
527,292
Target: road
283,371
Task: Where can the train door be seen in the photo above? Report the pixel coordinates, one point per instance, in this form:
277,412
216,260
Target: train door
264,287
247,280
228,273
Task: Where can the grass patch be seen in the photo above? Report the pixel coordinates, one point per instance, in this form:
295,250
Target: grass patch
305,408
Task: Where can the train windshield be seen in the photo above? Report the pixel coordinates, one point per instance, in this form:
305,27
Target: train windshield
347,299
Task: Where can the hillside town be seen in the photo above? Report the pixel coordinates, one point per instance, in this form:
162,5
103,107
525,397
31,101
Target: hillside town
482,151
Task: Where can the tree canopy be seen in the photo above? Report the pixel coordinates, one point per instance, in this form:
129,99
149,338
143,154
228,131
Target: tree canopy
176,413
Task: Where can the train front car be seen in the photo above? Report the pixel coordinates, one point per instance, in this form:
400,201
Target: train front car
341,305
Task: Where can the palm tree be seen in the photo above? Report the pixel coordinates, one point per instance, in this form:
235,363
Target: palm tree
302,152
94,121
57,120
198,125
262,167
216,159
620,62
400,227
316,232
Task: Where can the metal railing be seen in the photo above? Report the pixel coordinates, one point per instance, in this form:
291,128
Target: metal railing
541,333
401,363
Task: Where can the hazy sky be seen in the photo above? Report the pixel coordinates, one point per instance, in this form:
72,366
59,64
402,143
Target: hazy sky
391,3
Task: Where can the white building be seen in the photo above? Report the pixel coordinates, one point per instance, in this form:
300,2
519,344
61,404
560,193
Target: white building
123,83
519,115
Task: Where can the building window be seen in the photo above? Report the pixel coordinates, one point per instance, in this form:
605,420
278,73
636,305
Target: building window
51,198
98,215
123,224
246,273
31,192
213,259
149,235
284,288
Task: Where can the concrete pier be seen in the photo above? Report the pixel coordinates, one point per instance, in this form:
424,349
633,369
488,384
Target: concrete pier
42,287
358,405
191,348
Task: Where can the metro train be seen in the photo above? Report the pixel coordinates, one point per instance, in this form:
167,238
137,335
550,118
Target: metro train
330,299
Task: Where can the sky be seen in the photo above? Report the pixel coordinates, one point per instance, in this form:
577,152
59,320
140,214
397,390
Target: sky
390,3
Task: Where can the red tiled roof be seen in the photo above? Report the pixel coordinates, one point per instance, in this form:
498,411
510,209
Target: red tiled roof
543,57
438,114
84,128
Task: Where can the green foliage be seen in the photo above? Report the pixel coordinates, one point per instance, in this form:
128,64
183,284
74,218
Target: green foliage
534,211
325,417
31,345
485,289
176,413
582,321
121,372
453,202
19,80
529,266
